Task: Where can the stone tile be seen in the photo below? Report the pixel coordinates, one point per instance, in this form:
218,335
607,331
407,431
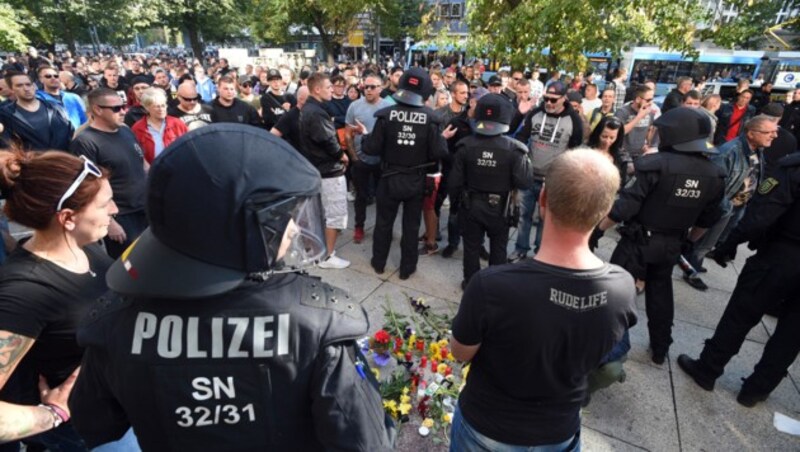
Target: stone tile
640,410
436,276
595,441
358,285
397,297
360,255
714,420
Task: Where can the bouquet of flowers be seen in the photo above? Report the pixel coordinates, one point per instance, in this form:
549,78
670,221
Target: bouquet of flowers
420,379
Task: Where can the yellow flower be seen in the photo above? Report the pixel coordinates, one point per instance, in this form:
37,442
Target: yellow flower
450,357
376,372
412,340
428,422
434,350
405,390
444,343
390,405
405,408
448,418
441,368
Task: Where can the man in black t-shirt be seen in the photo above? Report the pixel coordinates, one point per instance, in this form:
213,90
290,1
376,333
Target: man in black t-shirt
534,330
113,146
190,108
288,127
227,108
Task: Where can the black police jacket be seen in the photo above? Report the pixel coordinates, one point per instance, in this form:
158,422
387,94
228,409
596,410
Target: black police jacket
672,192
268,366
774,212
405,137
495,165
318,140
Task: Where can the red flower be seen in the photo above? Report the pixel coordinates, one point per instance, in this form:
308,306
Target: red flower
382,337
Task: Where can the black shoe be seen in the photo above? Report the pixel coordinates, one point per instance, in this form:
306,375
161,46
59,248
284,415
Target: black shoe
586,401
750,399
378,269
701,269
659,357
448,251
696,282
463,284
404,275
691,367
484,254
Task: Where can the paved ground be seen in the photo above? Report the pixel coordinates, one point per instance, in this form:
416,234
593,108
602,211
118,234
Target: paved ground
658,407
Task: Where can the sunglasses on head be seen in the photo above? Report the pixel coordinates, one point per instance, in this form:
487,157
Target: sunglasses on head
114,108
88,168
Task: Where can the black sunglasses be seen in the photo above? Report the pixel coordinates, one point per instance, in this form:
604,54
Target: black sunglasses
190,99
114,108
49,75
552,100
370,87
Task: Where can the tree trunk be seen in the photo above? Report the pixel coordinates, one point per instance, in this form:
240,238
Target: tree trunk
189,21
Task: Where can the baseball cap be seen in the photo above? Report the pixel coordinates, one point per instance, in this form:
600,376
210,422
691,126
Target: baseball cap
219,207
273,74
245,79
685,129
493,115
139,79
495,81
556,88
574,96
773,109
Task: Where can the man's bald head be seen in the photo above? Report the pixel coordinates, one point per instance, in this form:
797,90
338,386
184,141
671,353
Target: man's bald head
302,95
580,188
187,89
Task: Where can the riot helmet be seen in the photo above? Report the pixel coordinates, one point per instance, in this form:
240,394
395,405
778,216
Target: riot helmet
414,88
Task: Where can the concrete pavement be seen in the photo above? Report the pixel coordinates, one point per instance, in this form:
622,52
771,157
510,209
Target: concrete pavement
657,408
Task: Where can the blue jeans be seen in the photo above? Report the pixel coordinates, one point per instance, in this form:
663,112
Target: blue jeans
464,438
529,199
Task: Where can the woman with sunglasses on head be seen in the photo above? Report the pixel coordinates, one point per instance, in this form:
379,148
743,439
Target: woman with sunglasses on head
607,138
47,285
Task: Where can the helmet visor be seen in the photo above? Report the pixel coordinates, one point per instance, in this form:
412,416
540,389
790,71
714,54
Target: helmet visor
293,231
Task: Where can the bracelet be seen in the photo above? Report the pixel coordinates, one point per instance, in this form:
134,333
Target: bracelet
56,418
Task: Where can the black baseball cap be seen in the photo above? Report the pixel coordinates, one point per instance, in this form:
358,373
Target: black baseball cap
273,74
495,81
556,88
685,129
493,114
203,194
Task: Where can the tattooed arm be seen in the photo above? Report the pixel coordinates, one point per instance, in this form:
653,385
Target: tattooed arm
20,421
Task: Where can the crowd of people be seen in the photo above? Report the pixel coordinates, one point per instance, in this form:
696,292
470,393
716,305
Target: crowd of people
195,166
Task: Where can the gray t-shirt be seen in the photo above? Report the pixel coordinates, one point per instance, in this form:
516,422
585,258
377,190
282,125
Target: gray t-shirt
635,140
364,112
550,136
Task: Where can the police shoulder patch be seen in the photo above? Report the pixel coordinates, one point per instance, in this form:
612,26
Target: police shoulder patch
767,185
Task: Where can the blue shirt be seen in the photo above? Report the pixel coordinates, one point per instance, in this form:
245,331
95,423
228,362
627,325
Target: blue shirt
71,102
158,137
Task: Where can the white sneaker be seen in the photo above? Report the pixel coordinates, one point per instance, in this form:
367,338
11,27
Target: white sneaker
334,262
351,196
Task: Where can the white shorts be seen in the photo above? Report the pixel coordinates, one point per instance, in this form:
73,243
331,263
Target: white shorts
334,202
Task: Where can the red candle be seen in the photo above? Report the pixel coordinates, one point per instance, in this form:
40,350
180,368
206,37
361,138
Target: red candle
420,345
408,356
434,365
448,371
423,361
444,353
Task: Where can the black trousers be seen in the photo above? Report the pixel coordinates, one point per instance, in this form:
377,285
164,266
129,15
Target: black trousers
363,175
773,273
386,212
479,220
653,262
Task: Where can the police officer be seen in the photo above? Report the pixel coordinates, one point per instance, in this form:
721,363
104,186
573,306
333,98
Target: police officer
772,226
487,168
676,189
210,339
407,138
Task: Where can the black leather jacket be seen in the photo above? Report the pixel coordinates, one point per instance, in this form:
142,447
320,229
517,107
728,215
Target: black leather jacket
318,140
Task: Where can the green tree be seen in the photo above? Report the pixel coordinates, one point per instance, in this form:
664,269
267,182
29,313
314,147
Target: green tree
401,18
519,30
276,20
749,26
11,32
213,20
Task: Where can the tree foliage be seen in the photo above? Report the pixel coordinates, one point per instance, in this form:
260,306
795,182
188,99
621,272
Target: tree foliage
277,20
11,30
520,30
749,26
401,18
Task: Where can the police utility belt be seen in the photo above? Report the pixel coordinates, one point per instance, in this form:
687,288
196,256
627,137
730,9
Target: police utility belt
639,233
393,170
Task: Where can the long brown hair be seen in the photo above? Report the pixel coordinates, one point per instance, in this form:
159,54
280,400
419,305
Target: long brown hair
34,182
